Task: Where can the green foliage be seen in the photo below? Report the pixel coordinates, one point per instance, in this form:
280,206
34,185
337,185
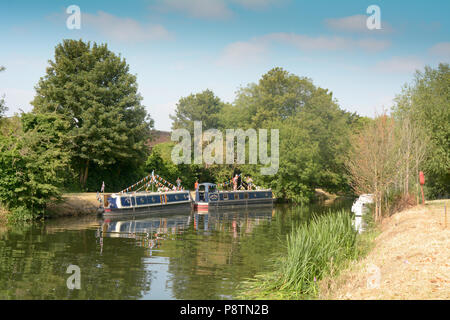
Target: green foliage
32,165
298,170
427,103
313,133
162,166
92,89
278,96
160,160
204,106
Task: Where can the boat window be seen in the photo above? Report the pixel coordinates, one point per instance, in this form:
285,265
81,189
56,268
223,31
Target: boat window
246,195
142,200
125,202
225,196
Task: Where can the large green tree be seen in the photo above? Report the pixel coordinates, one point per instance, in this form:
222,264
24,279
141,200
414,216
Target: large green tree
313,132
93,90
204,107
277,96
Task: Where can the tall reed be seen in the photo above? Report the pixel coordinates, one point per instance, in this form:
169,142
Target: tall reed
314,250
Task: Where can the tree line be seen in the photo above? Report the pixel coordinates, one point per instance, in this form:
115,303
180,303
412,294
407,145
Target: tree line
390,151
88,125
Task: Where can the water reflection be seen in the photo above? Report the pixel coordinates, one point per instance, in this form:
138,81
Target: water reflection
180,256
34,261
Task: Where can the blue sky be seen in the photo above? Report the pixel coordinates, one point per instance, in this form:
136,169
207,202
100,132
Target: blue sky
179,47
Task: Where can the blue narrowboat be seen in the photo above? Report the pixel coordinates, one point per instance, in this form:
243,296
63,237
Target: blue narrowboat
136,203
208,197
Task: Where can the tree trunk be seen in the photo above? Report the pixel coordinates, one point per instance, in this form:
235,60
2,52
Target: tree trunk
84,174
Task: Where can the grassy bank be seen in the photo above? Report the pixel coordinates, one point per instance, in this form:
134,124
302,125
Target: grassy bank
411,255
314,251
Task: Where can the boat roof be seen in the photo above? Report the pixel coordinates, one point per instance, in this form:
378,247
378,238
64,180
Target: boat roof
149,193
207,184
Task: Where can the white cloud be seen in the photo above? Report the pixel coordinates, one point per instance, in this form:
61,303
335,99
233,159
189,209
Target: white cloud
240,53
304,42
441,49
373,45
357,24
209,9
328,43
123,29
400,65
257,4
251,51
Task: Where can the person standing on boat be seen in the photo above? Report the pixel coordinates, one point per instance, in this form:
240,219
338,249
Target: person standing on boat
178,183
235,182
249,183
196,184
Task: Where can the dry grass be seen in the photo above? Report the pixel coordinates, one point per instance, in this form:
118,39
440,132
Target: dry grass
75,204
411,257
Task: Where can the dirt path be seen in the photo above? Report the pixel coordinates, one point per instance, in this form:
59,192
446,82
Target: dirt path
410,260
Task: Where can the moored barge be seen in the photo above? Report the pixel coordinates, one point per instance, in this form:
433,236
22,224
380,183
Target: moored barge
146,202
137,200
208,197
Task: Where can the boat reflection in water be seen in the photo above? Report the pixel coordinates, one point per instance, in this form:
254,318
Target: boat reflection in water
149,231
238,222
146,231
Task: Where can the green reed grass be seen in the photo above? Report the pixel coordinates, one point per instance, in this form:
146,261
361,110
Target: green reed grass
314,250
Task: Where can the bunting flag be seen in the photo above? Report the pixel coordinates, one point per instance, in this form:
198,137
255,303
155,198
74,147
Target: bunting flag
153,179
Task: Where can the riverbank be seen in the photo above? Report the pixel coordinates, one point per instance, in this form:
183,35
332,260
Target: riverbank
74,204
71,205
410,260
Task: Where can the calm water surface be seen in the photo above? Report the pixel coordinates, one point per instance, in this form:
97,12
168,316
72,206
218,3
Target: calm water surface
180,256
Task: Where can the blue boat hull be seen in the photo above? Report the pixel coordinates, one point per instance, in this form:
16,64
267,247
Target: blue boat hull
146,203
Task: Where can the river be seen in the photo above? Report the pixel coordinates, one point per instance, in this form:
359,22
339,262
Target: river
179,256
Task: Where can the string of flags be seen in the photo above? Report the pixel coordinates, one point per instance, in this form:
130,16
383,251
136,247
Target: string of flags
161,182
152,179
